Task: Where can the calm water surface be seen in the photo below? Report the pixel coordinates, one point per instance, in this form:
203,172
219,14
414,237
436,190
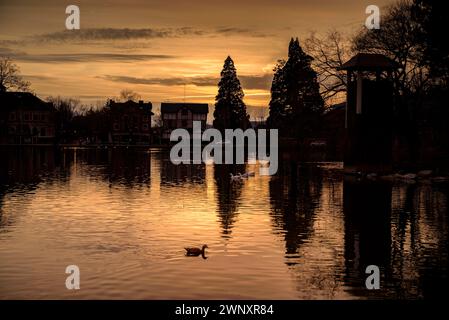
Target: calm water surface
125,216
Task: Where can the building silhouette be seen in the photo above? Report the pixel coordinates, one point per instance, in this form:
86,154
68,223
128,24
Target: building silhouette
369,113
130,122
181,115
26,119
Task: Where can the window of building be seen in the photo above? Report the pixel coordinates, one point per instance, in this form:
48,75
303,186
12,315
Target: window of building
26,129
26,116
199,116
116,126
169,116
12,116
184,123
36,117
43,132
184,112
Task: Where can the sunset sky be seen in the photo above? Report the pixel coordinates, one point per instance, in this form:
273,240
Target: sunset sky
162,48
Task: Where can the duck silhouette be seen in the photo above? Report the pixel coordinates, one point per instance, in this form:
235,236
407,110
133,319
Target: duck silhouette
194,252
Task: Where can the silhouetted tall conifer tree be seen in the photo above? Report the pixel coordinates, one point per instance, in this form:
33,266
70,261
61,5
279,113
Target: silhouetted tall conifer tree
278,97
230,110
296,103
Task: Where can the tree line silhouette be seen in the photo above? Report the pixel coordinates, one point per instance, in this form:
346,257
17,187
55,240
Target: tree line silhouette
308,82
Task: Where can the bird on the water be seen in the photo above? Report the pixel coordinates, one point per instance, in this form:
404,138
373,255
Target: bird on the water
196,251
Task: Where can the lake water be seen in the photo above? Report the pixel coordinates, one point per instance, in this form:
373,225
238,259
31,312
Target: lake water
124,216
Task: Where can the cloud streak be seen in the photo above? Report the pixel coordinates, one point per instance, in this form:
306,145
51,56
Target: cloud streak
108,34
256,82
171,81
81,57
262,82
227,31
95,34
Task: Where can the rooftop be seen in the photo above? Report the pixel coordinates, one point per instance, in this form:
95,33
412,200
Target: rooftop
167,107
27,100
145,106
369,61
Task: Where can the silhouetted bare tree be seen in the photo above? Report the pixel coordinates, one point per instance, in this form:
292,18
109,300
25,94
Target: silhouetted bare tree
10,78
396,39
158,123
127,94
430,17
329,53
66,110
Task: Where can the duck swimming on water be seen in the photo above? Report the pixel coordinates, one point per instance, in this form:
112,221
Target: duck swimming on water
196,251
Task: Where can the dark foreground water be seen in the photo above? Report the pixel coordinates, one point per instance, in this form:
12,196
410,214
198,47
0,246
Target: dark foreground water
125,216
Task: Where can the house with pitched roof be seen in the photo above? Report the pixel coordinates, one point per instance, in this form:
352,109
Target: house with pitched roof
26,119
181,116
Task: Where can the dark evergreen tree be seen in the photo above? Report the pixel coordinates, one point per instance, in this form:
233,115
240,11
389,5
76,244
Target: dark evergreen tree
296,103
277,103
230,110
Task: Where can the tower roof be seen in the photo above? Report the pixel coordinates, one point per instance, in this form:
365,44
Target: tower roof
369,61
